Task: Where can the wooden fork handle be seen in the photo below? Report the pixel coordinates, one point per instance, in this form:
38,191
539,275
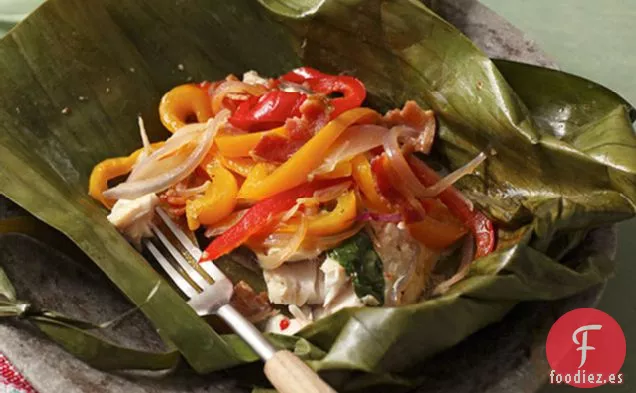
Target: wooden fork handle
288,374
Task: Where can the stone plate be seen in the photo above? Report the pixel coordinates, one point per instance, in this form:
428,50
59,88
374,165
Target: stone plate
508,356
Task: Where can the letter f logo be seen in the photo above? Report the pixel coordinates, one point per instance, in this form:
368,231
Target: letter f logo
583,344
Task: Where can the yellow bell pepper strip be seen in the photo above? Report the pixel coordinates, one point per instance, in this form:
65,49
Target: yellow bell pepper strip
342,169
257,174
241,166
365,180
219,199
328,223
182,103
110,169
233,146
296,169
260,216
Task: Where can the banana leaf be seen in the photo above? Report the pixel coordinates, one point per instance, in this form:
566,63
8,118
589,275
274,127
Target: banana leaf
75,75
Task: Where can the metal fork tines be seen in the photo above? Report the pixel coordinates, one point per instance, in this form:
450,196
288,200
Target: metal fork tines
178,257
207,287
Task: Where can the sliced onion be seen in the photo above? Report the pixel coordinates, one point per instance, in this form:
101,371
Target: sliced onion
323,244
468,252
147,149
216,231
320,196
313,249
331,193
408,180
188,192
298,313
454,176
233,87
147,167
144,135
355,140
290,213
398,162
277,240
273,260
136,189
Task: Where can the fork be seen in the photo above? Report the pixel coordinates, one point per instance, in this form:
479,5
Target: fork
210,291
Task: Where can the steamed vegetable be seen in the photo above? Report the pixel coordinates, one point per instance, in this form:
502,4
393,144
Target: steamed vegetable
297,171
259,217
363,265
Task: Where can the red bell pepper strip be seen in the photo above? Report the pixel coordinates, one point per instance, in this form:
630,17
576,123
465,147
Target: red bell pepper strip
481,226
267,111
353,90
259,216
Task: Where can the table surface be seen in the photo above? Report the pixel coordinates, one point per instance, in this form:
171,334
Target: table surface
590,38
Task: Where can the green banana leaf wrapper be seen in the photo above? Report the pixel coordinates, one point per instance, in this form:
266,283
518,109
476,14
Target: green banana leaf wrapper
75,75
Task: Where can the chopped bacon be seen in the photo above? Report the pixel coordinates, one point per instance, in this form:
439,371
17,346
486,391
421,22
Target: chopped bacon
171,198
276,148
414,116
254,307
299,129
316,109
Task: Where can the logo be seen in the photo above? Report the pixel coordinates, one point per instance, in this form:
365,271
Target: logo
585,349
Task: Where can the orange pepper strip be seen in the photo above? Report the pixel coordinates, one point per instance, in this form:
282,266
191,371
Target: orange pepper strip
363,176
240,166
296,169
242,145
328,223
436,234
439,229
219,200
110,169
342,169
182,102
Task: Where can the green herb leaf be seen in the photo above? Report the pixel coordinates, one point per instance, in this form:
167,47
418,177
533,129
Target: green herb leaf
362,264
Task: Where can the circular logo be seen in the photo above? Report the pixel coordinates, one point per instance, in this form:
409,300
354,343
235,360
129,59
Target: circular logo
585,349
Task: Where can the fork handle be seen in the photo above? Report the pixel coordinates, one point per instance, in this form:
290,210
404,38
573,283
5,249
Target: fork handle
289,374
